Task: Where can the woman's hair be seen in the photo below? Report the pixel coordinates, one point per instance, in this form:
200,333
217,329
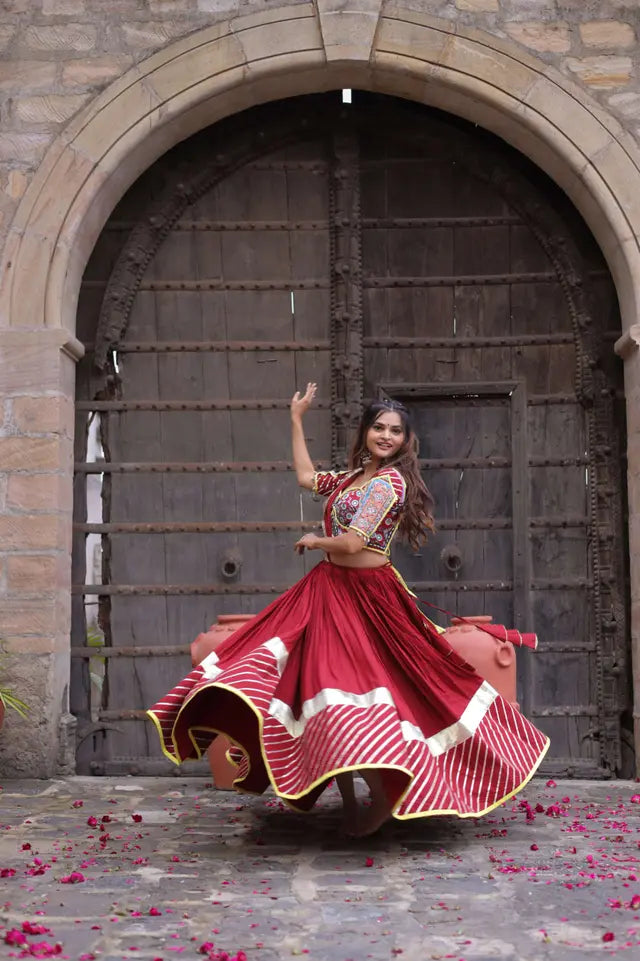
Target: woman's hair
417,517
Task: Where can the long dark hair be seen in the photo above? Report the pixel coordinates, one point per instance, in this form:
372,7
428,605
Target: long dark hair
417,515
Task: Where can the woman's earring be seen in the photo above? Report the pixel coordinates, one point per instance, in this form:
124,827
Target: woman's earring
365,458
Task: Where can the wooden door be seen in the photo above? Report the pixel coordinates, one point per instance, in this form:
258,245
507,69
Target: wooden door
374,248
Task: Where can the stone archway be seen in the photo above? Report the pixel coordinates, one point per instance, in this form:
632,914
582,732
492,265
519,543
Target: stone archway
214,73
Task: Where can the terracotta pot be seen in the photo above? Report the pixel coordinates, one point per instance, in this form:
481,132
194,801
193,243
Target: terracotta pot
222,771
493,659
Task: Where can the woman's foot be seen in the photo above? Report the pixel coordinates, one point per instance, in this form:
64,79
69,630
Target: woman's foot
350,820
350,813
378,811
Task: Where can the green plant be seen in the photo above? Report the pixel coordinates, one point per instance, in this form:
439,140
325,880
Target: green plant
13,703
10,701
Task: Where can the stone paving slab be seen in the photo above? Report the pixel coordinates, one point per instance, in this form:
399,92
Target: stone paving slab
155,868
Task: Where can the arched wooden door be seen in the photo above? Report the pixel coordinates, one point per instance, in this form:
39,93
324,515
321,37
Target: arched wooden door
376,248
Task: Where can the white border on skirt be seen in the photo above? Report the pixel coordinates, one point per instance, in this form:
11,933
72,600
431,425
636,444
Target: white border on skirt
437,744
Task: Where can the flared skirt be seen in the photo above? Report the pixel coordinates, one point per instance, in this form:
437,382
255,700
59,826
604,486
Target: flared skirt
342,673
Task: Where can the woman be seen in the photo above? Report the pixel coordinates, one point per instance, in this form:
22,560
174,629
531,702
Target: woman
344,673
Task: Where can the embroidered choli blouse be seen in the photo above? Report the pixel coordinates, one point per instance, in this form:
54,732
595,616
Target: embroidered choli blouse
372,511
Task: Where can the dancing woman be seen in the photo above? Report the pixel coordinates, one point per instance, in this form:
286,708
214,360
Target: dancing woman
344,673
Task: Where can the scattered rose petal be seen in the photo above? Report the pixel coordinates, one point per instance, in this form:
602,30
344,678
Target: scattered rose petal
368,863
30,928
608,936
15,937
76,877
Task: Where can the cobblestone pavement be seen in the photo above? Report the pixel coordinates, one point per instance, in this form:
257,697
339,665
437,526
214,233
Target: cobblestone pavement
163,868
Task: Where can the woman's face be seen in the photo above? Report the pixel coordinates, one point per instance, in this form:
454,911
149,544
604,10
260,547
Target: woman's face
385,437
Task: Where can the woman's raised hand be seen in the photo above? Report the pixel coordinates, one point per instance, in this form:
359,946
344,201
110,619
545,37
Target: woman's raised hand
300,405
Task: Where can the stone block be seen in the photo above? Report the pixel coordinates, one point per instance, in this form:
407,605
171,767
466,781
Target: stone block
601,73
27,147
39,679
195,66
16,6
96,70
348,33
37,532
25,616
481,66
180,7
52,109
212,6
571,121
543,37
33,363
607,33
43,415
39,492
478,6
275,39
153,34
627,104
17,182
27,75
7,33
32,644
62,37
31,453
36,573
60,7
528,9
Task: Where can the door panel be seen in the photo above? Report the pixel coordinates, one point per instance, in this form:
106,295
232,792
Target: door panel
384,247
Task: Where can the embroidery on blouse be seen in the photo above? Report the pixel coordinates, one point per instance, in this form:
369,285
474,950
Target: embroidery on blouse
376,502
325,482
372,511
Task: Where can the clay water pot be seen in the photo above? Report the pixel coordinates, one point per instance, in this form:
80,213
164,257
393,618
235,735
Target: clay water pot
222,771
493,659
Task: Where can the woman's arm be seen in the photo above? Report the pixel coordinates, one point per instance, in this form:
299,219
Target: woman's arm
349,543
302,463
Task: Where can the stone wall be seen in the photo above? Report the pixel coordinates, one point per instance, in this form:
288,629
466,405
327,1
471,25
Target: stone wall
55,55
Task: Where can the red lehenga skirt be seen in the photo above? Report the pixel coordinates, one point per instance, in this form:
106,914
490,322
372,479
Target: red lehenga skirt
341,673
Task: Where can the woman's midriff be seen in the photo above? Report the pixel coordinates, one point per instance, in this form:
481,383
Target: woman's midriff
363,559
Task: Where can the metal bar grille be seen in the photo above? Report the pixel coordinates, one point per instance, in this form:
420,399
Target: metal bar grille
179,650
241,467
258,527
149,650
203,405
290,283
386,222
576,583
396,343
